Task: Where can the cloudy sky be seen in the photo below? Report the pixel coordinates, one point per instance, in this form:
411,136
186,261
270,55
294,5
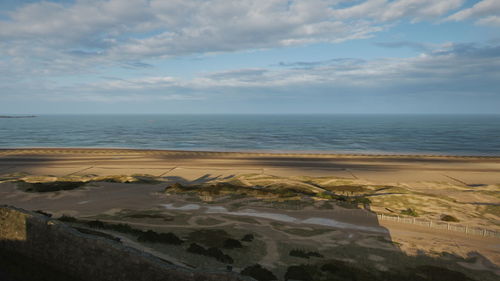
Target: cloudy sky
249,56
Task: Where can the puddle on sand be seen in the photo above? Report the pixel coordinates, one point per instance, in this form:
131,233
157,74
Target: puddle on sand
188,207
274,216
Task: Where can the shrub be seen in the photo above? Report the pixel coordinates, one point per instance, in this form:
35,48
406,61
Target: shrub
66,218
196,249
247,238
219,255
97,233
176,187
95,224
154,237
435,273
259,273
51,186
361,200
300,272
304,254
124,228
324,195
210,252
43,213
409,212
449,218
341,270
232,244
209,237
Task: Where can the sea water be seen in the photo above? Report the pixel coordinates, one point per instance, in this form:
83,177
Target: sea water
367,134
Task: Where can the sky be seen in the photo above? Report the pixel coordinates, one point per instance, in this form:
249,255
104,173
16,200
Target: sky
249,56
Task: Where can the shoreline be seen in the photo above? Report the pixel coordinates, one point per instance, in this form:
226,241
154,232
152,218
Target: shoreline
242,153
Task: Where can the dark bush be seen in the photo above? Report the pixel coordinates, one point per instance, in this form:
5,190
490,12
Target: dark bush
435,273
232,244
43,213
209,237
51,186
300,272
340,270
210,252
449,218
219,255
259,273
66,218
409,212
304,254
196,249
95,224
124,228
248,238
154,237
97,233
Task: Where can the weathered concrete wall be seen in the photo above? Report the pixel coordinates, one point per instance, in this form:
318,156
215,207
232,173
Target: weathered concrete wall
88,257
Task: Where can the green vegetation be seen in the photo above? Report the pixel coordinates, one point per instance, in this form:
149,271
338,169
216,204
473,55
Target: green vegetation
304,254
248,238
301,272
66,218
291,204
232,244
50,186
153,237
135,178
145,214
15,266
209,237
142,236
43,213
449,218
307,232
409,212
326,206
343,271
226,188
210,252
347,189
351,200
98,233
259,273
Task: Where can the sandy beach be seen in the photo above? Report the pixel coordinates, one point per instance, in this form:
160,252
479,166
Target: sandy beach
465,187
191,165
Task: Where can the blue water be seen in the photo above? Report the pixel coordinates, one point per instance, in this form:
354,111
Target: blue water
388,134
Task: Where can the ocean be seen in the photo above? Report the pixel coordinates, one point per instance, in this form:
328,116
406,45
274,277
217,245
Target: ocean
363,134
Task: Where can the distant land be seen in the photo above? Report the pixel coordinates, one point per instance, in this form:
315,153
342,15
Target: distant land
23,116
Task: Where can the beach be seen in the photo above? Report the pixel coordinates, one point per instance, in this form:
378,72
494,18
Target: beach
192,165
463,187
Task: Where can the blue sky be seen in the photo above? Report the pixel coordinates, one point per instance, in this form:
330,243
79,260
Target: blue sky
250,56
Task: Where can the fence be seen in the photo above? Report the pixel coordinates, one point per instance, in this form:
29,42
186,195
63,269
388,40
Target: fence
442,225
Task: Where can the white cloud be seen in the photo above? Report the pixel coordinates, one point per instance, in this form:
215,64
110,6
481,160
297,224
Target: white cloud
451,68
486,11
50,37
415,10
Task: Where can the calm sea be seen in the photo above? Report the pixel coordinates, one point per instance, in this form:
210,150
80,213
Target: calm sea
388,134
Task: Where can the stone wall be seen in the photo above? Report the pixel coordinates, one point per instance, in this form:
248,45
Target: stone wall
87,257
